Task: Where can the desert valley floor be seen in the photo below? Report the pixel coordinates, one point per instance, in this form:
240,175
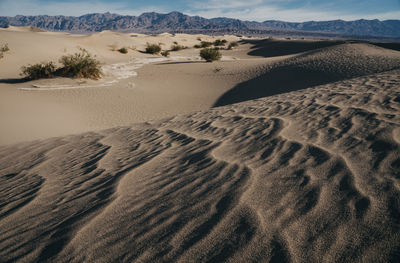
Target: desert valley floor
283,151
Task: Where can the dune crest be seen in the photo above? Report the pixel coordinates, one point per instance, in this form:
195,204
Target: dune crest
312,68
305,176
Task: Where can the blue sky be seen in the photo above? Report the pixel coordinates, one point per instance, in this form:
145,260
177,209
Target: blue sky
257,10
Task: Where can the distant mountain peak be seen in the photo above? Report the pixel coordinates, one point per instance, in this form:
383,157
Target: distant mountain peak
152,22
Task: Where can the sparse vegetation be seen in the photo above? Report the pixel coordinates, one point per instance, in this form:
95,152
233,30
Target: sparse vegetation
153,48
205,44
220,42
232,45
197,46
123,50
177,47
165,53
78,65
210,54
4,48
38,71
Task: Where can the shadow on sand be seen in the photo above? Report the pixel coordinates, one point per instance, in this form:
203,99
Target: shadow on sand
285,78
274,48
278,80
14,81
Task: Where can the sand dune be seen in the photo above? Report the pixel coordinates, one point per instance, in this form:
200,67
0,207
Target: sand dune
306,176
305,169
315,67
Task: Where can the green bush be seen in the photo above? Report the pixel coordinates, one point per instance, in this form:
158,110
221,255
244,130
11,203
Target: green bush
38,71
205,44
165,53
210,54
153,48
232,45
197,46
123,50
220,42
80,65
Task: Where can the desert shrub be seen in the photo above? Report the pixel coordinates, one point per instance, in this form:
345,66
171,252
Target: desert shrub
220,42
210,54
4,48
123,50
205,44
232,45
80,65
165,53
176,43
38,71
153,48
177,47
197,46
199,38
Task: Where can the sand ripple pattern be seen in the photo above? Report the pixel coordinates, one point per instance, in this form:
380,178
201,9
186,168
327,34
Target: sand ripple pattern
306,176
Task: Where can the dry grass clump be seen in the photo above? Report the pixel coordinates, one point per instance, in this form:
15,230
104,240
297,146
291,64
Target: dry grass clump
210,54
177,47
204,44
165,53
78,65
3,48
39,70
153,48
232,45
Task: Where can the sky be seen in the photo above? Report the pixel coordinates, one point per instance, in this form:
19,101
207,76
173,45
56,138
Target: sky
252,10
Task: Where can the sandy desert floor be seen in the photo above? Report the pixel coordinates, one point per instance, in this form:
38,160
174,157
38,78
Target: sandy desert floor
284,151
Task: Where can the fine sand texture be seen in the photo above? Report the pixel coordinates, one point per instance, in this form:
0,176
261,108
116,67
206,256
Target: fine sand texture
283,151
137,87
305,176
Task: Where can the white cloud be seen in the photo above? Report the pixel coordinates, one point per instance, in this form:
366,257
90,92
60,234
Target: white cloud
218,4
253,10
262,13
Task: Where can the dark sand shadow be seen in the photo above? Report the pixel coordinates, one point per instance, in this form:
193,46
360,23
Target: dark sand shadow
14,81
286,78
180,62
393,46
278,80
274,48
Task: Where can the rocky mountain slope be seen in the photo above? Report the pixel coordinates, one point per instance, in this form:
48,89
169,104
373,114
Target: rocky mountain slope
178,22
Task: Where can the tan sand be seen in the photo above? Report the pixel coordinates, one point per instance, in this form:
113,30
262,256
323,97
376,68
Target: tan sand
302,175
307,176
54,107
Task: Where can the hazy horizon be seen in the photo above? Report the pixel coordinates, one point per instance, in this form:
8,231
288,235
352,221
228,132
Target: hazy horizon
251,10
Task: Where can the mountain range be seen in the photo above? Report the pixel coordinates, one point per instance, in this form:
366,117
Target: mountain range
176,22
